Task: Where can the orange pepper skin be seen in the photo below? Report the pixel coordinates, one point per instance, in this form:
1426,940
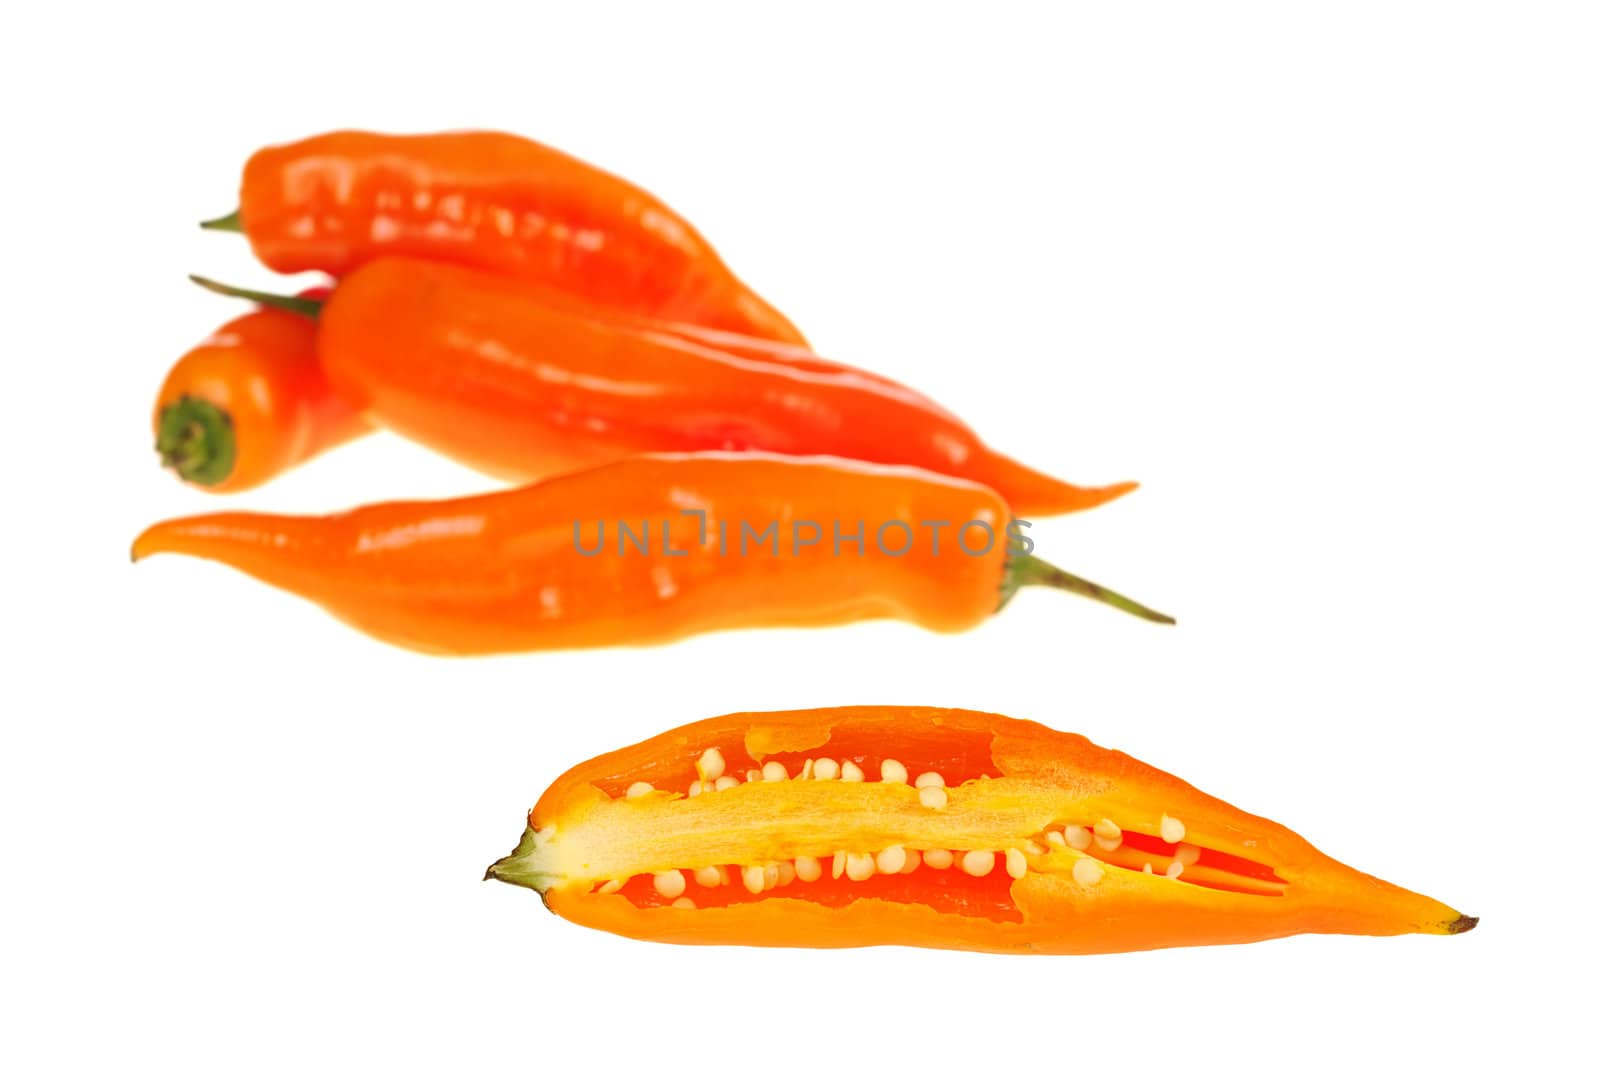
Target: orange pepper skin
502,572
250,402
519,386
592,850
495,201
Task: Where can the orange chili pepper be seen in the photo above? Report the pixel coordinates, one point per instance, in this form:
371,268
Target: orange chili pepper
490,200
522,385
696,543
932,827
249,402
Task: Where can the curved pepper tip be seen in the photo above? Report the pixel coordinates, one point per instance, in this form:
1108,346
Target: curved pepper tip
149,543
1063,498
1105,494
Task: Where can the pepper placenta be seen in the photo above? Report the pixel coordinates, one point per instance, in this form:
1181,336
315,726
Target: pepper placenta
646,550
495,201
932,827
521,385
249,402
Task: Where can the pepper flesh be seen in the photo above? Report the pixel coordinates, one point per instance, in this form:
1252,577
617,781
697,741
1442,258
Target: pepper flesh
250,402
714,545
522,385
1012,787
495,201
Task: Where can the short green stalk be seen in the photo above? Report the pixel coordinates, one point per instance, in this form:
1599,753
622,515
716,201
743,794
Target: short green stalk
230,223
300,305
1025,570
196,439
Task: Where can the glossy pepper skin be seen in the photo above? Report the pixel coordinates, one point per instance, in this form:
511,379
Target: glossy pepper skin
249,402
495,201
521,385
1032,841
547,566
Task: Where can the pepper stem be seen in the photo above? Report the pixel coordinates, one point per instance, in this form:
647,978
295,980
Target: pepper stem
195,438
230,223
1030,570
524,866
300,305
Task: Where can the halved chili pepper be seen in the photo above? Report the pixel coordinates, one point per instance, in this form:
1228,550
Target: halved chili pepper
522,385
490,200
932,827
646,550
251,401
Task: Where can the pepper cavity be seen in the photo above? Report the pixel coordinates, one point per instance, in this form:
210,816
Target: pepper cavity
1082,847
828,836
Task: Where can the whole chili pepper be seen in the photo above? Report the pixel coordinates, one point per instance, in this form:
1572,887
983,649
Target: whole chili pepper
521,385
490,200
249,402
932,827
646,550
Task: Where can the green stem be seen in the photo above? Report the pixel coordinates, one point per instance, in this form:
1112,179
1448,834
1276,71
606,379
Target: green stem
1030,570
300,305
195,438
523,867
230,223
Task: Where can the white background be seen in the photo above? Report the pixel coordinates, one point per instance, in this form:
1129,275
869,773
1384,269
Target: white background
1323,277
